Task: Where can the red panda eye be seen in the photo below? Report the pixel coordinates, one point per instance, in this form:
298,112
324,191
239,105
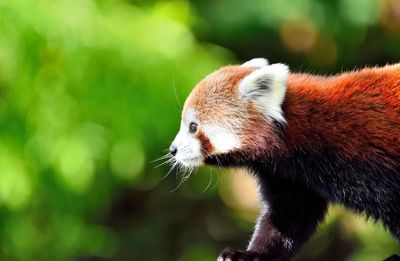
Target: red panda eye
193,127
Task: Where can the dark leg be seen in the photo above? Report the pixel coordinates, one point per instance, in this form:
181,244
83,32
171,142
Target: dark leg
290,217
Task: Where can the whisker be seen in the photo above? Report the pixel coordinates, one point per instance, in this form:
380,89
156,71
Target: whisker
176,95
161,158
216,183
188,174
180,183
219,164
219,167
172,168
209,183
165,162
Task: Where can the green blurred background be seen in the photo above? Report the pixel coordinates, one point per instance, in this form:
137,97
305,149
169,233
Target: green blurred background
87,101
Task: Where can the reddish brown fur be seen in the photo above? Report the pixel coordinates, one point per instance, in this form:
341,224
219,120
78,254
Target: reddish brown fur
206,146
216,95
216,99
259,135
346,111
342,112
340,144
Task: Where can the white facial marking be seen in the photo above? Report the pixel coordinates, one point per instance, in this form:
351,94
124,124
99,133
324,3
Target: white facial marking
188,146
266,87
256,63
221,137
190,116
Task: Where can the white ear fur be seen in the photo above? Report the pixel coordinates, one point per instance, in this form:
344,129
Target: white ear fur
256,63
266,87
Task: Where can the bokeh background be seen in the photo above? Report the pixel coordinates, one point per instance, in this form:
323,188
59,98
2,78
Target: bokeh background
91,92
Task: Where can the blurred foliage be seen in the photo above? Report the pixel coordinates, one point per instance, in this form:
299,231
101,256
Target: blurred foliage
90,94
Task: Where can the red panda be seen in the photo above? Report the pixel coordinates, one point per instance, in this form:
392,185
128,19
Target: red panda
308,140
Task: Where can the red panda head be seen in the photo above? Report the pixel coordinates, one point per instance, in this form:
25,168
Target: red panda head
232,110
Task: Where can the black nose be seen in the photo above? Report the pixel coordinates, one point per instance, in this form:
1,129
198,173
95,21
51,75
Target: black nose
173,150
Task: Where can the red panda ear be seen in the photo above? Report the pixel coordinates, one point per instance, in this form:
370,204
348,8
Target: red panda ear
256,63
266,87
